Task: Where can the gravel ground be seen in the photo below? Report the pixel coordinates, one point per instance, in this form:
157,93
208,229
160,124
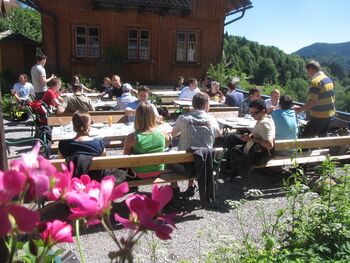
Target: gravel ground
198,231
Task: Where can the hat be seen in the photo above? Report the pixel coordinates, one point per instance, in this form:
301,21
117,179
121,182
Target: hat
126,87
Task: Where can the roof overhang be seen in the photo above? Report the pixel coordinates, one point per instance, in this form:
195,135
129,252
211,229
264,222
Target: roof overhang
236,6
163,7
9,37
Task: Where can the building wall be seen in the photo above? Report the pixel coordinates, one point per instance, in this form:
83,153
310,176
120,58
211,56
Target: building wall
207,18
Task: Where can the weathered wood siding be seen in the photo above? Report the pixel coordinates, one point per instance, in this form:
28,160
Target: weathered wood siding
207,18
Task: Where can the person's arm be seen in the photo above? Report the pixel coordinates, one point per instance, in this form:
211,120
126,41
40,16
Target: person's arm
309,105
15,94
56,102
129,111
129,143
43,78
59,155
177,128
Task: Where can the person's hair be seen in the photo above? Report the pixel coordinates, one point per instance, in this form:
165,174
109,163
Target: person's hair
259,104
199,100
181,77
231,85
252,91
313,64
275,91
25,76
191,80
77,87
215,83
80,120
145,118
108,79
54,82
40,57
286,102
143,88
73,79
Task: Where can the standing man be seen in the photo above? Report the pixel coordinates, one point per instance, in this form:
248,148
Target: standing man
39,79
320,102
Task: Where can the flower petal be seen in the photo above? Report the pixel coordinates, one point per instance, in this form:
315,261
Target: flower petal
5,225
162,194
125,222
119,191
26,219
107,185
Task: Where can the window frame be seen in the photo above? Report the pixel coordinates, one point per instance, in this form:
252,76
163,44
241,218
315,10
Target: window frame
186,43
88,45
139,48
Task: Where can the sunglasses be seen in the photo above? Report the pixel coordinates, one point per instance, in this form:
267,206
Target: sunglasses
254,113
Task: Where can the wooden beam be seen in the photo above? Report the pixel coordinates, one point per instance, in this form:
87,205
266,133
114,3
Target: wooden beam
323,142
3,149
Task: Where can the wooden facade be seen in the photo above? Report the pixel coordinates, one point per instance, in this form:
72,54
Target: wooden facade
153,41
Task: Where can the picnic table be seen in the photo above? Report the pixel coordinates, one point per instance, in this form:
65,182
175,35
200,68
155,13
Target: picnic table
105,104
237,122
166,96
117,131
188,103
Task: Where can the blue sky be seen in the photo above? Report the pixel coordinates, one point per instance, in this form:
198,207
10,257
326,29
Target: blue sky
293,24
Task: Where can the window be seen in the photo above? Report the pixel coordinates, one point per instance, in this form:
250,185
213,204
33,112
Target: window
187,46
87,42
138,44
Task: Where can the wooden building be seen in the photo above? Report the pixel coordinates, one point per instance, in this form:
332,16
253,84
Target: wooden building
151,41
17,54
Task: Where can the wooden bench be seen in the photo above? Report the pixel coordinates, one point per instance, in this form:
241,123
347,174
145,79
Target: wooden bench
317,151
122,161
108,144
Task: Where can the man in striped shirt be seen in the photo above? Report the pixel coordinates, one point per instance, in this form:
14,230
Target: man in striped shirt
320,102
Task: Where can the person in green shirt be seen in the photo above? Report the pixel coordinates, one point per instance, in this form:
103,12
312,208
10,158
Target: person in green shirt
147,138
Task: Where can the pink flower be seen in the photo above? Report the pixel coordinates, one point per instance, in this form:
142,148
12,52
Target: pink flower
95,203
38,171
11,184
145,212
57,232
61,183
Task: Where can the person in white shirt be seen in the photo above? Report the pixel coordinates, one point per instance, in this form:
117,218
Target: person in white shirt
23,89
126,97
39,79
273,103
187,93
142,94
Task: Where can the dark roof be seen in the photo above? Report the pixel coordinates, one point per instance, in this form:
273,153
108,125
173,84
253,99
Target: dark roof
240,4
10,37
182,5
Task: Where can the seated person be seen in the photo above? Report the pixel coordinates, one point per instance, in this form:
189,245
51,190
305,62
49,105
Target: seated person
126,97
76,81
233,97
23,89
115,90
82,143
285,119
273,102
239,154
188,92
106,84
77,101
51,97
254,94
147,138
215,92
143,94
206,83
196,129
179,84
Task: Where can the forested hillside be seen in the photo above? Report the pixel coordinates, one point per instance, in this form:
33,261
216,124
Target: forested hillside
335,56
271,68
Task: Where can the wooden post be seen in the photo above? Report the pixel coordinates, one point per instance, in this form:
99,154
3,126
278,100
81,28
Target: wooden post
3,152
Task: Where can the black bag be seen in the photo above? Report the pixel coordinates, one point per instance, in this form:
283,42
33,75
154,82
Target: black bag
163,111
258,155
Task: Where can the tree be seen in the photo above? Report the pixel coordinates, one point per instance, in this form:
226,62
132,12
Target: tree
298,89
23,20
267,72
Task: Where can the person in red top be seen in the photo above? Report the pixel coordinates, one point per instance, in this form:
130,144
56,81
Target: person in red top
51,96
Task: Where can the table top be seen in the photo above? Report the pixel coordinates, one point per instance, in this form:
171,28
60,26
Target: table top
237,122
166,93
92,94
117,131
188,103
105,104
